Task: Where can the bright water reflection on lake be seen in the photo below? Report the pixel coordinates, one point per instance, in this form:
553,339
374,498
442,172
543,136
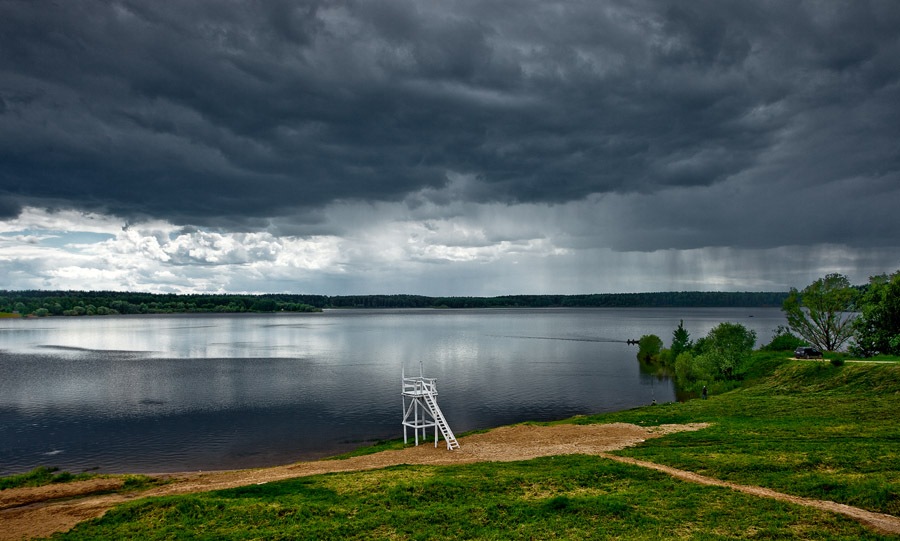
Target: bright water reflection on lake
190,392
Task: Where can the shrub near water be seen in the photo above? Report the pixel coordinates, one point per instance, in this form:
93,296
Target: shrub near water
720,360
649,347
41,475
784,340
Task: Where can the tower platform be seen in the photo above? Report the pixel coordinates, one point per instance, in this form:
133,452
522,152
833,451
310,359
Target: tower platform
421,411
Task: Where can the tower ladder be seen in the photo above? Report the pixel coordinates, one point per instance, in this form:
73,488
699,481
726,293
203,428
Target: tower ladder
438,415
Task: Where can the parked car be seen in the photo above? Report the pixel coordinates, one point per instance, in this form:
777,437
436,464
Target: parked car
807,353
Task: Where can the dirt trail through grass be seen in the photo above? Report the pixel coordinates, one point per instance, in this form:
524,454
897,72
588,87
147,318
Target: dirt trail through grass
880,522
37,512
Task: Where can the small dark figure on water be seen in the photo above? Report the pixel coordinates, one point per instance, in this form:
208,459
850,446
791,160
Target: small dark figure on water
704,392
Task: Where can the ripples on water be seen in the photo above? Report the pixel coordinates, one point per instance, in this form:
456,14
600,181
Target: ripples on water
176,393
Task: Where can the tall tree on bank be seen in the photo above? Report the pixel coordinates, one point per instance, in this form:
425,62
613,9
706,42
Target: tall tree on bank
681,340
878,326
820,313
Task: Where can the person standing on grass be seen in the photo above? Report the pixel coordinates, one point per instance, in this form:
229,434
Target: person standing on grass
704,392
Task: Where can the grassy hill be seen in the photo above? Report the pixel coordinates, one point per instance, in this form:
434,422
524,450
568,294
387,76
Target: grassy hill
804,428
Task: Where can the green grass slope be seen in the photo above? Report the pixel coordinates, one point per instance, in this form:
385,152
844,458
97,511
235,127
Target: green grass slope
805,428
810,429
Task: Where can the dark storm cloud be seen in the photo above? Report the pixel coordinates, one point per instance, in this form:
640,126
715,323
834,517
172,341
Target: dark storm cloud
9,208
235,113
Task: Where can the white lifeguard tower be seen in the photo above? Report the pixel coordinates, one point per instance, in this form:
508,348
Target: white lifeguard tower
421,410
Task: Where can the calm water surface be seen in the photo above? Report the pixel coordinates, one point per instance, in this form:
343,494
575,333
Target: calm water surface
192,392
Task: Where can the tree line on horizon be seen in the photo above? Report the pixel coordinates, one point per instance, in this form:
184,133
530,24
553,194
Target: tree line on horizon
79,303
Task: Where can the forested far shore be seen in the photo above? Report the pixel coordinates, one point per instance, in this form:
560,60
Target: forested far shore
78,303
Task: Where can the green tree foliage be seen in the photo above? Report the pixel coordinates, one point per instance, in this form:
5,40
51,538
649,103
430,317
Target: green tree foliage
101,303
649,347
681,340
878,326
821,314
727,349
723,355
610,300
116,302
783,340
264,305
694,371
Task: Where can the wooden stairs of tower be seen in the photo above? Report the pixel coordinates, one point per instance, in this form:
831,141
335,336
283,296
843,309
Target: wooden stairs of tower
438,415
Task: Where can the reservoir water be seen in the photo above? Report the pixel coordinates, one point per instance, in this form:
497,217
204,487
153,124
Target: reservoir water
203,392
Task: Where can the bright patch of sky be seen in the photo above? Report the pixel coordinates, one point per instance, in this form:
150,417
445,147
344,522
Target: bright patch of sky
388,252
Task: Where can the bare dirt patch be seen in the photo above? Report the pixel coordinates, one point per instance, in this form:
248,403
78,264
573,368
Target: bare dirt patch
30,495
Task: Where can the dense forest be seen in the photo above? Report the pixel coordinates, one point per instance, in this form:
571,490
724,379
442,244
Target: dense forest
76,303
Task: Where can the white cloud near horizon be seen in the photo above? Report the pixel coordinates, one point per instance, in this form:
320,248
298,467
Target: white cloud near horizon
480,251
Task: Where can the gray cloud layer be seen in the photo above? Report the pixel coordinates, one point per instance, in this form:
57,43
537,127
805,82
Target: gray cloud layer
715,122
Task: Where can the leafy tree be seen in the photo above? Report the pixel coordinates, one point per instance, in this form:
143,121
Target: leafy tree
692,372
75,311
681,340
685,371
878,326
726,351
649,347
264,305
783,340
820,313
719,359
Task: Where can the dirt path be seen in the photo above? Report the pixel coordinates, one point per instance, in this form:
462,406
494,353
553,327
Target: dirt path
38,512
887,524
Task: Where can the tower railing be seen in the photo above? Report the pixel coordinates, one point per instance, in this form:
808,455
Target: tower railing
419,385
423,411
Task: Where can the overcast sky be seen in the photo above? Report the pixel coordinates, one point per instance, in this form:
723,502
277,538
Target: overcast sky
447,147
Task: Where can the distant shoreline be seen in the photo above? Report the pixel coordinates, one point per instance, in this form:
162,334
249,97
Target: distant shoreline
40,303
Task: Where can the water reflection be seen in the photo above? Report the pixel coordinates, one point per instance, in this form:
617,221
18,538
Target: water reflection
168,393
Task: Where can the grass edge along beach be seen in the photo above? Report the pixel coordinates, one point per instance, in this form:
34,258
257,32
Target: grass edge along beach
806,428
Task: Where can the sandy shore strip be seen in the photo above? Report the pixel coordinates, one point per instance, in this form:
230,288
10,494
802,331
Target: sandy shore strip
41,511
